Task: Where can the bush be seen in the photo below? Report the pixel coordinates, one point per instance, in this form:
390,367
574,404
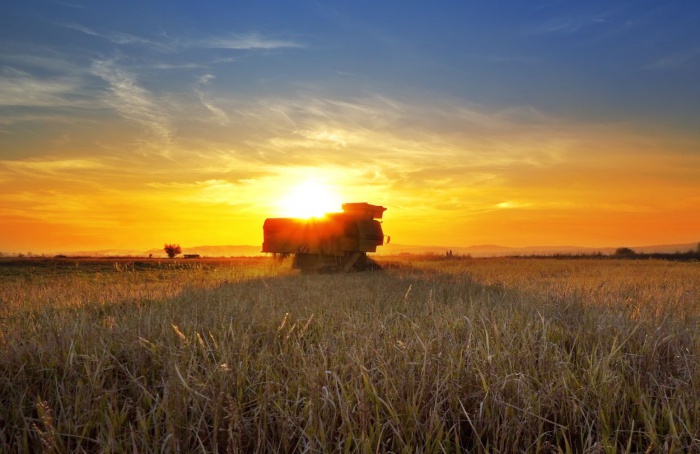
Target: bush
172,250
624,252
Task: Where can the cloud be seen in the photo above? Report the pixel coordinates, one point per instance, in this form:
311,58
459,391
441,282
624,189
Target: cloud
40,168
335,138
410,143
416,152
132,101
242,41
217,113
53,165
169,66
381,129
247,198
12,118
569,24
212,191
676,60
51,63
246,42
18,88
120,37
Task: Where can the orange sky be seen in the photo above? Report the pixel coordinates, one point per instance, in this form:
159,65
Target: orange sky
540,183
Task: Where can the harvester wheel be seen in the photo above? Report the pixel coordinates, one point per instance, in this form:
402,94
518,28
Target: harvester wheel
370,265
349,261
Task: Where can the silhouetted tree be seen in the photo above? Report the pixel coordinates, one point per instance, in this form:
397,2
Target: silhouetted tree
624,252
172,249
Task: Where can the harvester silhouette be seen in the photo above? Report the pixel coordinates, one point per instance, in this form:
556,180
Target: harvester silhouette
335,243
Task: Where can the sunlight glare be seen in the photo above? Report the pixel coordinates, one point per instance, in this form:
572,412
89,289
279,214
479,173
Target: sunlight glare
310,199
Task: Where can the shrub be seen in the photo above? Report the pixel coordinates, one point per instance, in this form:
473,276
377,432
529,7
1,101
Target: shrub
172,250
624,252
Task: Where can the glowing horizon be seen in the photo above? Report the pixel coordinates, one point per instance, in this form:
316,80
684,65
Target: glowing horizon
473,123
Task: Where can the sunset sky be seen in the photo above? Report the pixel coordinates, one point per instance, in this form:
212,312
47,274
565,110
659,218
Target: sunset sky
125,124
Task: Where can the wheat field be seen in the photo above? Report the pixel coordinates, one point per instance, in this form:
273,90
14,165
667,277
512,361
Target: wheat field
427,355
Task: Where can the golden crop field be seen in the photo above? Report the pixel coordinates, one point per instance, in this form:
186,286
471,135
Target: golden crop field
427,355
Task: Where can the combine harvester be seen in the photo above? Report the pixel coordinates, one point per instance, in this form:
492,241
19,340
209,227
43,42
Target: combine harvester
335,243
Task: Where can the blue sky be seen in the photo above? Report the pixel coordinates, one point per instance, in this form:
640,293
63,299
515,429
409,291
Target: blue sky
581,59
192,99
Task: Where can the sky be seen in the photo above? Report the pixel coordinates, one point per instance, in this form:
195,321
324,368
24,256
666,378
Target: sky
125,125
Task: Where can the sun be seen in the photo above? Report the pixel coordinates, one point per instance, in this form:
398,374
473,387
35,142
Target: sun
309,199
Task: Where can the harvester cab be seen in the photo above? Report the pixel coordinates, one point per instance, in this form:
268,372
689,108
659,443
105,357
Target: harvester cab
336,242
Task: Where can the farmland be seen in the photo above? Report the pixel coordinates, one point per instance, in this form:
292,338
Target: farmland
428,355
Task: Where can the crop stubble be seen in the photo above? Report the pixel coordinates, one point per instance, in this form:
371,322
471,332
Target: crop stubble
243,355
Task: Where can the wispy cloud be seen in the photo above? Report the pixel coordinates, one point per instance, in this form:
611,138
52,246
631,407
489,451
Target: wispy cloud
131,100
34,60
569,24
334,138
388,130
377,143
247,41
18,88
212,191
39,167
218,114
171,66
419,152
676,60
120,37
242,41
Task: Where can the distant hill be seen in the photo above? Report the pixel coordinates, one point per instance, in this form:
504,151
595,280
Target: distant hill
104,253
484,250
204,251
490,250
214,251
487,250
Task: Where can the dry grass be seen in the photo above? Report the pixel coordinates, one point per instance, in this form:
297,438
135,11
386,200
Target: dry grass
482,355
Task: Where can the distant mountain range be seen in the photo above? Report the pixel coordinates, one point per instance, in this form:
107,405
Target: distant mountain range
491,250
204,251
486,250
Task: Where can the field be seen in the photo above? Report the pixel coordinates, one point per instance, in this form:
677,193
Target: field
428,355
